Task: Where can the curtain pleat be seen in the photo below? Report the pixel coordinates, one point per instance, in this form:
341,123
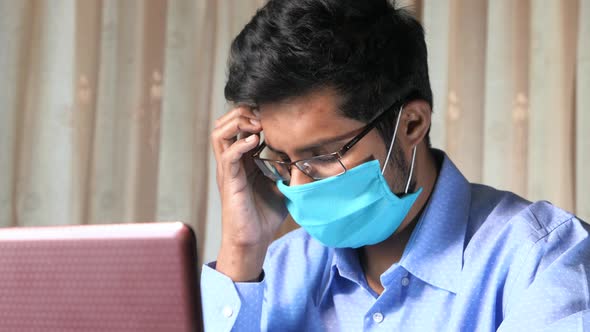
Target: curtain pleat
506,94
582,129
85,80
183,174
43,172
464,118
551,122
120,110
15,34
436,21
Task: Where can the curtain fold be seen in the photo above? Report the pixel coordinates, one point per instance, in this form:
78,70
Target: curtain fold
15,22
551,124
106,106
119,112
45,158
86,73
436,21
505,111
582,129
183,171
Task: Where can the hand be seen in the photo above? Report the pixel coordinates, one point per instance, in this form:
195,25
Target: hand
252,206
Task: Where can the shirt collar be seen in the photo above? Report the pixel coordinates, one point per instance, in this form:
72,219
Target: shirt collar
345,263
434,252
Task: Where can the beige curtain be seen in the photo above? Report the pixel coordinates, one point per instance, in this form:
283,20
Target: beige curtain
511,85
106,106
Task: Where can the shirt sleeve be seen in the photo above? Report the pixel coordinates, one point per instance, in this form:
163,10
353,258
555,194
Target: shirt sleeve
228,305
579,321
552,289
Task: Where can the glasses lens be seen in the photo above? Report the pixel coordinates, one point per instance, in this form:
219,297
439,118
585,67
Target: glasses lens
274,170
321,167
317,168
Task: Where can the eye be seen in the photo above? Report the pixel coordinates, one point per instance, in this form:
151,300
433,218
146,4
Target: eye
306,167
318,152
284,157
267,153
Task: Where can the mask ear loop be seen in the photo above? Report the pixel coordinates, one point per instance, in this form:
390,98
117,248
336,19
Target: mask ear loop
411,171
399,116
391,149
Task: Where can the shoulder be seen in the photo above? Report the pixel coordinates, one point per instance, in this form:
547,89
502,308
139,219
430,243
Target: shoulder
519,239
502,213
535,253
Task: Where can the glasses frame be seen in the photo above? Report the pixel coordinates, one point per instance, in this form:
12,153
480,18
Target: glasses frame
338,154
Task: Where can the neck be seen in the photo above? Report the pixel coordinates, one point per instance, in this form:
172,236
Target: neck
376,259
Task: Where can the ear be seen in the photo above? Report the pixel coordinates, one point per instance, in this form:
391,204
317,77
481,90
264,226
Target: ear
414,124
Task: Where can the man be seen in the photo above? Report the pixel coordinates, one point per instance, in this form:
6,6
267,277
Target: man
333,110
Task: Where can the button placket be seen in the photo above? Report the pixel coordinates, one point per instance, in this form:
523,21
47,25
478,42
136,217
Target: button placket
405,281
378,317
227,311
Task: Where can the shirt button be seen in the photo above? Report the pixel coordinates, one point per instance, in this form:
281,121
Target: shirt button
405,281
377,317
227,311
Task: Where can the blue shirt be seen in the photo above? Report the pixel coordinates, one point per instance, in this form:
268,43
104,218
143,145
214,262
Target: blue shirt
478,259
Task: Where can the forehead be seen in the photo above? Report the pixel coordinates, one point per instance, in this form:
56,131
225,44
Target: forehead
302,121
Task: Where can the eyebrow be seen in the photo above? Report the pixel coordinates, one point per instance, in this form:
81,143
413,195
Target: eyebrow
314,145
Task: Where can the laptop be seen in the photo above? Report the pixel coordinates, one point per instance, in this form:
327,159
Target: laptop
124,277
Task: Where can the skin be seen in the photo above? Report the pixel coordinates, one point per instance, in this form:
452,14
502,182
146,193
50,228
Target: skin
253,208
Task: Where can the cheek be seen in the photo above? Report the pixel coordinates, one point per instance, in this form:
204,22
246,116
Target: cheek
397,171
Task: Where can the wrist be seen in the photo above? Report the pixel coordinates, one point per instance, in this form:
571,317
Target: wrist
241,264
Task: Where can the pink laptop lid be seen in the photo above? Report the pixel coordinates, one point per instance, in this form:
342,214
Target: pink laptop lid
128,277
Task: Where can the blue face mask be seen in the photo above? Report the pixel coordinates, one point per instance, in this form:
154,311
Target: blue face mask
353,209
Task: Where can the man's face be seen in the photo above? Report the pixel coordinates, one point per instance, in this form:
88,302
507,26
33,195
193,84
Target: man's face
308,126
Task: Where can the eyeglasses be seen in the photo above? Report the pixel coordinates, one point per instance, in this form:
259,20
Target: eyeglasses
317,168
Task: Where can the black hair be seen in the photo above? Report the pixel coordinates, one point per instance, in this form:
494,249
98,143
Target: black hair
370,53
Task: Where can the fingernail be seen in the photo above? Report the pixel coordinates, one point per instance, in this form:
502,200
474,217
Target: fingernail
257,113
255,122
250,138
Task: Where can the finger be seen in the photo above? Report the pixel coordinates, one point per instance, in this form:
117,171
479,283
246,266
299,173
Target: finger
232,157
241,111
235,126
219,176
223,137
